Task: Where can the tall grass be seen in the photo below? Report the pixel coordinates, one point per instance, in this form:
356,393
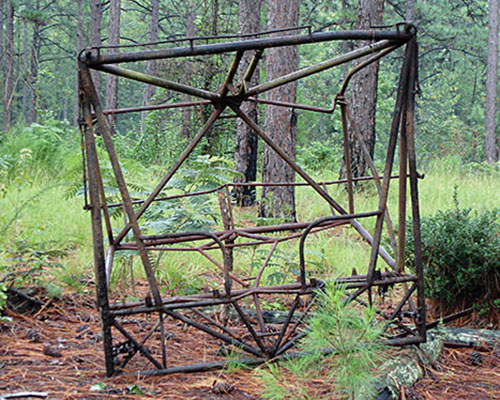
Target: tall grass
40,165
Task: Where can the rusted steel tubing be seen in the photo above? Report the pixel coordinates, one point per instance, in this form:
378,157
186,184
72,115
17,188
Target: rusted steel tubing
95,59
156,81
187,236
292,105
137,345
375,174
90,90
364,64
214,333
301,317
355,224
215,323
319,222
414,187
172,171
402,93
450,317
231,73
233,276
347,157
252,66
191,39
153,107
404,341
322,66
142,343
97,234
285,325
250,328
110,255
264,264
403,301
256,184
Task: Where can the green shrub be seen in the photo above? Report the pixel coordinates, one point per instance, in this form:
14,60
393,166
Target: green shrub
461,256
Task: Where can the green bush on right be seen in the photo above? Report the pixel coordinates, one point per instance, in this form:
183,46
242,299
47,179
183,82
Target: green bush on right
461,258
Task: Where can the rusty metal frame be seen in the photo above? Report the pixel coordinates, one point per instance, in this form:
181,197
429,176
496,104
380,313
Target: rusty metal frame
406,326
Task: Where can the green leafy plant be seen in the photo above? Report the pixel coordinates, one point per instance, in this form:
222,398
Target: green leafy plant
460,254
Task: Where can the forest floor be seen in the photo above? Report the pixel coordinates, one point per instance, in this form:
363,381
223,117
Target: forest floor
58,349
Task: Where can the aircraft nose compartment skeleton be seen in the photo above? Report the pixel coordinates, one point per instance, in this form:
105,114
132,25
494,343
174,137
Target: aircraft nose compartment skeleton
237,308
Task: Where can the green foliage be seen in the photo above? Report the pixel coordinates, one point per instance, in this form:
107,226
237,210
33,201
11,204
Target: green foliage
193,213
460,254
3,302
41,146
348,335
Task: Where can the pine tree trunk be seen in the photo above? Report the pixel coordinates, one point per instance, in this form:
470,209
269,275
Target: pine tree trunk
280,123
188,72
95,37
114,39
35,57
245,154
149,90
25,69
490,147
9,67
79,47
364,91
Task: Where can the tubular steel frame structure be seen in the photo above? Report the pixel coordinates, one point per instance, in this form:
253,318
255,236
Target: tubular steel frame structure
407,319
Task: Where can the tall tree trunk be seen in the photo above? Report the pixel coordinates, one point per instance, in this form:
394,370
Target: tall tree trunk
25,70
113,39
410,11
188,72
149,90
364,91
2,8
95,37
281,123
245,153
490,147
34,63
210,146
79,47
9,67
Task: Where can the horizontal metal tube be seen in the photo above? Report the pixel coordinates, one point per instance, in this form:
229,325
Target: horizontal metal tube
93,59
156,81
322,66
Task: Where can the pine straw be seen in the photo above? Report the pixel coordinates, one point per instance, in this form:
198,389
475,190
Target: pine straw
25,367
455,377
71,326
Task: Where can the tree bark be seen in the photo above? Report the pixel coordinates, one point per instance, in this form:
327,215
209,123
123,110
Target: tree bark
410,11
188,72
34,63
113,39
490,147
149,90
9,67
280,123
95,37
79,47
245,154
25,69
364,92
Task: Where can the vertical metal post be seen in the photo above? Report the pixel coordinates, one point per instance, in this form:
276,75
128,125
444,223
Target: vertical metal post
97,234
402,93
347,156
421,325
